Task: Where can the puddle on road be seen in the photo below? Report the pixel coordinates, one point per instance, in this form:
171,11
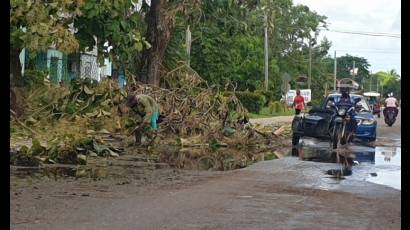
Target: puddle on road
380,165
143,163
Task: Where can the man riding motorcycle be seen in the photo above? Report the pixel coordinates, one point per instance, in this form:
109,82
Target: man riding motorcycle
346,102
391,103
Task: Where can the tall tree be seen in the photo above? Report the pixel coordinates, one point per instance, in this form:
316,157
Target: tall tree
345,66
114,27
227,44
160,20
389,82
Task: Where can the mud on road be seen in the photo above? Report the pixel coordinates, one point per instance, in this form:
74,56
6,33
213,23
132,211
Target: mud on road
277,194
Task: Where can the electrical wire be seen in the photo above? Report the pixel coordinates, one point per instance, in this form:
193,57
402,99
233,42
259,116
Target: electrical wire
364,33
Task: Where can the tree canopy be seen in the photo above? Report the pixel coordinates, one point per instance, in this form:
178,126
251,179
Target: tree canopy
148,39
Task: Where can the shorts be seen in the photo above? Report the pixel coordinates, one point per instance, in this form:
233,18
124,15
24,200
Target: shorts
154,118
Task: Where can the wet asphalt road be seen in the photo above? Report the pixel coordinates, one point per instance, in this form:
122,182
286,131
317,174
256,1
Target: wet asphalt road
389,136
280,194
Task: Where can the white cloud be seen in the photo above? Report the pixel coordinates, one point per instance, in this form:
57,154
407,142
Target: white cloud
378,16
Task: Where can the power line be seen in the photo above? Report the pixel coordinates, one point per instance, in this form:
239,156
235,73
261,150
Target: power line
365,33
368,51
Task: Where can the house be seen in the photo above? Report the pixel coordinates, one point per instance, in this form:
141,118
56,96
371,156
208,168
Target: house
62,67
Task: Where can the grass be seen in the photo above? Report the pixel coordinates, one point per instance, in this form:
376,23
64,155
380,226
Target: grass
264,113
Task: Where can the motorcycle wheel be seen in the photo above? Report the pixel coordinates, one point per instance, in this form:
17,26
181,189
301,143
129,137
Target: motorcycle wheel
343,135
335,136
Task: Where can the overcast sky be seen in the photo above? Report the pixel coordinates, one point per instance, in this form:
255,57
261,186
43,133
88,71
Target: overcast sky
376,16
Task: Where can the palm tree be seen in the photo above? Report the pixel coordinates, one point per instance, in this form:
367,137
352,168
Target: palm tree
394,73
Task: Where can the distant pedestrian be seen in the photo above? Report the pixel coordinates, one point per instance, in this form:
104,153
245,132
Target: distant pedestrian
298,102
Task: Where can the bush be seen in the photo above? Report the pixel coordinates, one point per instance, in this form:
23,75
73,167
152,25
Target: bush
253,102
276,107
33,78
269,95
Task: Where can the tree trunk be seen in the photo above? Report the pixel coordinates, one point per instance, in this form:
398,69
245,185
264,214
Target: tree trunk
16,79
158,35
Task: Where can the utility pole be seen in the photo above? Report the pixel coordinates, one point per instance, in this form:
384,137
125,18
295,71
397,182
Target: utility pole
188,41
370,81
266,52
310,64
334,73
377,85
354,70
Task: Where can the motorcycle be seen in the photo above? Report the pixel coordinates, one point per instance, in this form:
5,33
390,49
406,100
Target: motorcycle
390,116
343,126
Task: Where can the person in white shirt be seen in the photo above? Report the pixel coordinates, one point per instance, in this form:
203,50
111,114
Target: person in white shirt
391,103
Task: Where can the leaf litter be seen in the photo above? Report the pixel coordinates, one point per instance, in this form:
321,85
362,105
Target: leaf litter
70,124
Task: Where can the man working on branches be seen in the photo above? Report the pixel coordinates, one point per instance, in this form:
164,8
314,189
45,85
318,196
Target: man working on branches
148,109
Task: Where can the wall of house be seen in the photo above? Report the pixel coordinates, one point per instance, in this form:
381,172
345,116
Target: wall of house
66,66
52,53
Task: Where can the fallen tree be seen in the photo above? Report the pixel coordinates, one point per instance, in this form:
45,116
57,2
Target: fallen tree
77,121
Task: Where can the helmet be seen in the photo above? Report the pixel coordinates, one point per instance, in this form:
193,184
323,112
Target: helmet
344,91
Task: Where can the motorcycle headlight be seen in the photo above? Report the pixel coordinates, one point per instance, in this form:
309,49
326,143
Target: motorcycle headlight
341,112
368,121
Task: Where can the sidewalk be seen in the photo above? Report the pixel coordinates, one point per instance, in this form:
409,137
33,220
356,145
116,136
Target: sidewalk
272,120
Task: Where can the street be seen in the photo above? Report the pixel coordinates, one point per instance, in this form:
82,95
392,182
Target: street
286,193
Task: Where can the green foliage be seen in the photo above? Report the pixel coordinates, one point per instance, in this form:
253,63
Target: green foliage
34,78
276,107
253,102
270,96
228,46
389,82
345,64
37,25
115,22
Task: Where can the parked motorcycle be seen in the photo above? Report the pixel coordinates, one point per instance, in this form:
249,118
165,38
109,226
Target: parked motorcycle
343,127
390,116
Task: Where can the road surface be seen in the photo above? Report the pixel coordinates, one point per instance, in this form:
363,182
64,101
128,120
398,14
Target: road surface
278,194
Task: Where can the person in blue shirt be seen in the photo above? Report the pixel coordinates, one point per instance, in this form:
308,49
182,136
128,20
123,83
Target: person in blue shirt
345,100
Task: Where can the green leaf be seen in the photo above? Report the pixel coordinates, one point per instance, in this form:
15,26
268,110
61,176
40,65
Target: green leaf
123,25
82,159
36,148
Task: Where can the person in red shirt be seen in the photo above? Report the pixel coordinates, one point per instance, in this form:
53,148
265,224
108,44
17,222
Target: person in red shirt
298,102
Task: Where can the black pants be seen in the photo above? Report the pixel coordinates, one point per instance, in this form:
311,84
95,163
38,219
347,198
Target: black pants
297,111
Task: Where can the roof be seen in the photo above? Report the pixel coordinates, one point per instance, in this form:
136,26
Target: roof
347,83
371,94
338,94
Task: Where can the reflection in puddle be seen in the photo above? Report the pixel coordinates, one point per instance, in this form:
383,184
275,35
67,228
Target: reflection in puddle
381,165
387,167
148,159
